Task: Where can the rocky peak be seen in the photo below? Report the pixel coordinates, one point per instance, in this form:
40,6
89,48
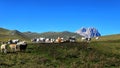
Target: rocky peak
88,32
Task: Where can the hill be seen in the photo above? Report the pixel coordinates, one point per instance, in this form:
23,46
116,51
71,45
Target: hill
112,38
6,34
64,34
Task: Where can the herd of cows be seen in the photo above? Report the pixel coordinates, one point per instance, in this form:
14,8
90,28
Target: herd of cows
14,45
52,40
17,45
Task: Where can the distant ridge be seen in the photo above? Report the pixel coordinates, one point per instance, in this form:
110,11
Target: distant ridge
6,34
64,34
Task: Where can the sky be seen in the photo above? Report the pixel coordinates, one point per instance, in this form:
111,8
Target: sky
60,15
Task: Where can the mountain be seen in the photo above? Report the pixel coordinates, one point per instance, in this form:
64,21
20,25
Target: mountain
18,34
4,31
64,34
88,32
6,34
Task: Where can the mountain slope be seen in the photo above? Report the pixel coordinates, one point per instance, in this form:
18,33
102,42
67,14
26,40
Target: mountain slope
115,37
6,34
4,31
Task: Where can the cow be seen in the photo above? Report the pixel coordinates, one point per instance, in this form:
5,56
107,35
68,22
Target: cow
4,47
72,39
97,38
14,41
37,40
21,45
86,39
58,40
12,45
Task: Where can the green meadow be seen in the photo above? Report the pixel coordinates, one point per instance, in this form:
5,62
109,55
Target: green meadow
96,54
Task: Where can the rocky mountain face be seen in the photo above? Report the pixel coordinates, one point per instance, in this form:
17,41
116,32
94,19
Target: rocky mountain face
88,32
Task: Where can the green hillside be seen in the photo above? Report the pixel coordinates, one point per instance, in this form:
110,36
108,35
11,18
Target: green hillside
4,31
65,34
6,34
112,38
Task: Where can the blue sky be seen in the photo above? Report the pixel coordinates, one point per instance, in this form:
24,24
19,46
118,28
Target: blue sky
60,15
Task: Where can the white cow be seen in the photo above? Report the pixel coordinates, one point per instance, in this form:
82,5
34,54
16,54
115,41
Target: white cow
4,48
13,41
72,39
85,39
97,38
37,40
47,40
42,39
52,40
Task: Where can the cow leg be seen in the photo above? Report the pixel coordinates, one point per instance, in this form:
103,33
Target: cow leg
1,50
5,50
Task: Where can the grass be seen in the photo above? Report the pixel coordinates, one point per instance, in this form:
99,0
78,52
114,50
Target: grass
65,55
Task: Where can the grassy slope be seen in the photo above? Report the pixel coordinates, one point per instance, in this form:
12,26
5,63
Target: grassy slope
4,31
109,38
64,34
65,55
6,34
